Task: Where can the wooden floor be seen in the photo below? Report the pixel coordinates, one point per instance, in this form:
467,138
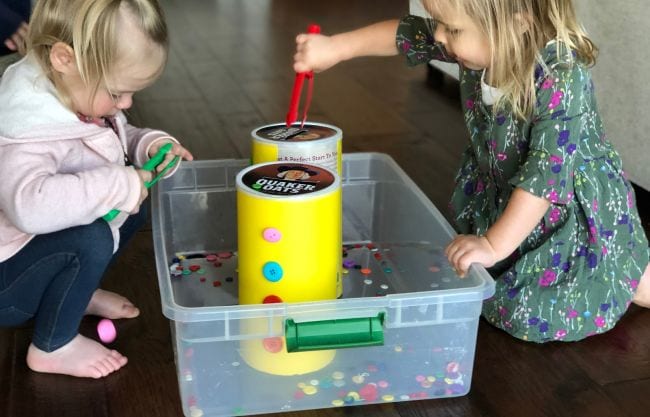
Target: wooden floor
229,71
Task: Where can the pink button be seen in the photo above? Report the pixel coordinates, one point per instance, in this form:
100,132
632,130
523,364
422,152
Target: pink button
106,330
271,234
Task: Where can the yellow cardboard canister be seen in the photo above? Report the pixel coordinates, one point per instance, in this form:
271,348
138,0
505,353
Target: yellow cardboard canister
289,231
314,143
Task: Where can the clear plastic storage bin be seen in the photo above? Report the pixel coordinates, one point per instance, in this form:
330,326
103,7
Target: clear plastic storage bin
421,317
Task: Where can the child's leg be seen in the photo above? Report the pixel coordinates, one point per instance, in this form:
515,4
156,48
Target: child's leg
53,279
106,303
642,294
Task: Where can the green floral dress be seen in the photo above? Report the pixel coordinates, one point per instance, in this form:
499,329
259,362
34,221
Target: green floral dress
576,273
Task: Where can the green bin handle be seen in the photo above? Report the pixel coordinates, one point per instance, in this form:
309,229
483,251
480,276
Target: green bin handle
334,334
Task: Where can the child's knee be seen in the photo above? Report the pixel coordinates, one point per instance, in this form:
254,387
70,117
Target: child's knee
94,240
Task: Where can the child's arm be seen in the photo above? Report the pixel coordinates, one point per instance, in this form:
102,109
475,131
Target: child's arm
522,214
411,36
37,198
320,52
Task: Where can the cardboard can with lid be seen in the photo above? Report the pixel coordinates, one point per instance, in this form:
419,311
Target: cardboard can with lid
314,143
289,232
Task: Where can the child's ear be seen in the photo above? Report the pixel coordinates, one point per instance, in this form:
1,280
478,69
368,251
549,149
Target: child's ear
62,58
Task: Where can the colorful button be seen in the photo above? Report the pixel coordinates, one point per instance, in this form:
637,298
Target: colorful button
349,263
272,271
358,379
106,331
271,234
310,390
272,344
271,299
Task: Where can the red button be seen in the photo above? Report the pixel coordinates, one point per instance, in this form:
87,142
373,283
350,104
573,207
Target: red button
270,299
272,344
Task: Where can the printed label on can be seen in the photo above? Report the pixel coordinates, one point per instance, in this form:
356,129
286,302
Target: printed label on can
324,155
287,179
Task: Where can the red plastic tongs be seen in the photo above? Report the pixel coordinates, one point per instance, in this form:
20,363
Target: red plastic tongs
292,114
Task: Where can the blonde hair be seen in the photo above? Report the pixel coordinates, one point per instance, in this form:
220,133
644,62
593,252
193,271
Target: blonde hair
90,28
516,31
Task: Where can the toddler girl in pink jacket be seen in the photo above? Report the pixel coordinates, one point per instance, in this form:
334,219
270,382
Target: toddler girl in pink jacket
68,157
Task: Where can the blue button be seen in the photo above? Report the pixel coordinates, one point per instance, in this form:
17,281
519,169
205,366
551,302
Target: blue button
272,271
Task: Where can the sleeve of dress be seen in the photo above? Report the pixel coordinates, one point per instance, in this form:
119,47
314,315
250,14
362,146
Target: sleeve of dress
414,39
563,101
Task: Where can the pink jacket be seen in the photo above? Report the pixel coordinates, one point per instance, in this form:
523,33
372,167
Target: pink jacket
57,172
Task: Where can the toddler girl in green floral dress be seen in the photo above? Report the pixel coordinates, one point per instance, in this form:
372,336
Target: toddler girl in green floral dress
541,199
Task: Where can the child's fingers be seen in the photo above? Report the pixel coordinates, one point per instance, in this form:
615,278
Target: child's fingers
145,176
179,150
20,43
300,47
23,29
299,62
300,67
168,159
10,45
452,250
301,38
463,264
460,258
457,260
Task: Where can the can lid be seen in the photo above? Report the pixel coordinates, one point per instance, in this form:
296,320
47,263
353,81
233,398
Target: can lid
286,179
309,132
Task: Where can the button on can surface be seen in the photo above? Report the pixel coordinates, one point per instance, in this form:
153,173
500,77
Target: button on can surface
271,234
272,271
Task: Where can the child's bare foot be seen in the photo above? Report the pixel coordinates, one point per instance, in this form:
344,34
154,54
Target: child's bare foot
642,294
81,357
111,306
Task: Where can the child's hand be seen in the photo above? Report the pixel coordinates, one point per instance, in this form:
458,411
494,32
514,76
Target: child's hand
315,53
144,192
18,41
467,249
176,150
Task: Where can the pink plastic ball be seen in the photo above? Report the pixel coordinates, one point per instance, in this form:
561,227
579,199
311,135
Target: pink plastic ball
106,330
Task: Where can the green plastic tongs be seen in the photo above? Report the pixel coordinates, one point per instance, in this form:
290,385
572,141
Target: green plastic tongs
150,165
